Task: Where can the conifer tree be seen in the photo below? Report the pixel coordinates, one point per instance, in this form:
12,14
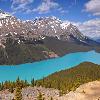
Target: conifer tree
32,82
18,94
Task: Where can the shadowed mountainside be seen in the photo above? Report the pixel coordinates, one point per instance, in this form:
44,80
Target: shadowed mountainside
12,52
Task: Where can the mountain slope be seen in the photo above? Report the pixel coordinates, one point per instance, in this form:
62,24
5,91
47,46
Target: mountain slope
70,79
18,52
15,53
87,91
53,27
39,39
64,47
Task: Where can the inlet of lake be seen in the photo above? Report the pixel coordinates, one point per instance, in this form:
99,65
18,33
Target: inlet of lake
38,70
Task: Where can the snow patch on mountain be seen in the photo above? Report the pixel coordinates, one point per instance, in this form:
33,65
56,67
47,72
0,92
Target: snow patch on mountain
64,25
4,15
42,26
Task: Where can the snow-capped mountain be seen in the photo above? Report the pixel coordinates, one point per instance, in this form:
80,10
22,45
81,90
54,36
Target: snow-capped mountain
40,27
42,38
4,15
51,26
8,24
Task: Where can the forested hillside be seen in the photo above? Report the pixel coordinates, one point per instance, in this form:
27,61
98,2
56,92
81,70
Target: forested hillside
70,79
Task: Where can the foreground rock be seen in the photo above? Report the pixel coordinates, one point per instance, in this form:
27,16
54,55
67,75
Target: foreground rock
88,91
31,93
6,95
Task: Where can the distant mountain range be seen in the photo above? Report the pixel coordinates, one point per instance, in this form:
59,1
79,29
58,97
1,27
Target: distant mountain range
97,39
42,38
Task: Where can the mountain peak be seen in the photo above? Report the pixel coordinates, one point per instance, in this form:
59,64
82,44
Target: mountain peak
42,26
3,14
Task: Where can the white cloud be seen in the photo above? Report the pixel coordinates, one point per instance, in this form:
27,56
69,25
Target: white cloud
62,11
93,6
21,5
89,28
46,6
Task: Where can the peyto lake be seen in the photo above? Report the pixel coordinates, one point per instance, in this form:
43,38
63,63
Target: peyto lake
44,68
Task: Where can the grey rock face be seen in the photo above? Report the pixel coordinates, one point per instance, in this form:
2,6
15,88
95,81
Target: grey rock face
47,26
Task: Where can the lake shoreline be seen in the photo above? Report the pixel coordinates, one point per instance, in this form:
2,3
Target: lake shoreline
38,70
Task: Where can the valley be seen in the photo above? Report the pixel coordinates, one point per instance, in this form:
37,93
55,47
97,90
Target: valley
49,49
44,68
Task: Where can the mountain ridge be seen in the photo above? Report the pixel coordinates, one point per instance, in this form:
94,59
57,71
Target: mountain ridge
39,39
47,26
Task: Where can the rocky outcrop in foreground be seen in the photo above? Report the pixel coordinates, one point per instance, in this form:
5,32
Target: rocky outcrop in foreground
88,91
31,93
6,95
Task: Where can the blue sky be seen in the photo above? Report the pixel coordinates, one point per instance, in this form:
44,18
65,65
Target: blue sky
64,9
80,12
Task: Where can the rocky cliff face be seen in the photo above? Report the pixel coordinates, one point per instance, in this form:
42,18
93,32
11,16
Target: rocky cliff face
47,26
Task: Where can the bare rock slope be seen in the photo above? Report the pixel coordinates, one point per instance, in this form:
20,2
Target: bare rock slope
88,91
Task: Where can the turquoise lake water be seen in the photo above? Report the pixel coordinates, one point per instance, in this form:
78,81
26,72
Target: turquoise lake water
44,68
